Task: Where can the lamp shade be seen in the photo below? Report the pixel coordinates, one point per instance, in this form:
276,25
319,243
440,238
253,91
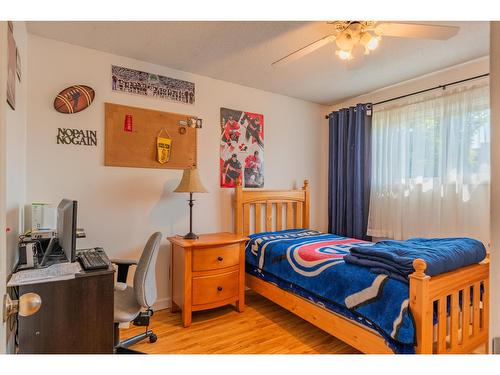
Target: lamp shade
190,182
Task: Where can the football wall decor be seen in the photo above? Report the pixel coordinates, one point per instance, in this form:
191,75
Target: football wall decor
74,99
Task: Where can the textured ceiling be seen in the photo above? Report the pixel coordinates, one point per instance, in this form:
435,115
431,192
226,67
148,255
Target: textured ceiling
242,52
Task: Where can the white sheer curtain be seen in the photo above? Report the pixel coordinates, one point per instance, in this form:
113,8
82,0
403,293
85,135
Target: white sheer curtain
431,166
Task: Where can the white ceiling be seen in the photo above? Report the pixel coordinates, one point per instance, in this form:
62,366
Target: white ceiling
242,52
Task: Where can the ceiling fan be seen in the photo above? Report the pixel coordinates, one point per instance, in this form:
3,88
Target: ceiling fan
350,35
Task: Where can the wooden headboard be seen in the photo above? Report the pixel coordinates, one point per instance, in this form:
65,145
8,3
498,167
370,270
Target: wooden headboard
271,210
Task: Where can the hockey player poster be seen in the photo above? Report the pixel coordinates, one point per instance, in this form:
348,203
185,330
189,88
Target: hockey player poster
241,148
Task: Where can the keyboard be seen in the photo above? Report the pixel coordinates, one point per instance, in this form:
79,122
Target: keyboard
93,259
55,272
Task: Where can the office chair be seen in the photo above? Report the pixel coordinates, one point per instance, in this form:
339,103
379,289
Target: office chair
133,304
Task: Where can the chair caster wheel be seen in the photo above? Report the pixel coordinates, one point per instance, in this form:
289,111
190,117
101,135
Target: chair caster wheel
153,338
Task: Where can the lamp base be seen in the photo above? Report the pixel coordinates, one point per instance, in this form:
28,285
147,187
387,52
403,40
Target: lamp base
190,236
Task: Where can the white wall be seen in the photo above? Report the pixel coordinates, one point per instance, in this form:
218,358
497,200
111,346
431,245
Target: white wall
495,181
15,171
16,151
121,207
469,69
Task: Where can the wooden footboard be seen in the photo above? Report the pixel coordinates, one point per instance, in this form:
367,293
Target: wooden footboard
450,310
459,300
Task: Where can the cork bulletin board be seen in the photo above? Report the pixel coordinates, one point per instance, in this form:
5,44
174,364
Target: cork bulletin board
130,138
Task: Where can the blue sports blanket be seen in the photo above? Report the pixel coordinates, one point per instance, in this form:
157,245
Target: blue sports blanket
311,264
395,258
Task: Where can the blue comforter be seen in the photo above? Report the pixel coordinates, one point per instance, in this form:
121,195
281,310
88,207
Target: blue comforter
395,258
311,264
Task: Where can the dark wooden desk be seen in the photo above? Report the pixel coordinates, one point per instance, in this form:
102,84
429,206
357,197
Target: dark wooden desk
76,316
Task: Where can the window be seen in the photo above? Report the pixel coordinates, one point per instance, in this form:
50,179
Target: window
430,165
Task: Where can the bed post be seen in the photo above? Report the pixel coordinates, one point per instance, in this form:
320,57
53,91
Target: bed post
421,307
305,219
238,217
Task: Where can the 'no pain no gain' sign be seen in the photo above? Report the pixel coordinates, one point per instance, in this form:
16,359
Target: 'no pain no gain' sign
78,137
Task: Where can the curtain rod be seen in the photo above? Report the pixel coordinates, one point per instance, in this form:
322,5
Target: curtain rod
429,89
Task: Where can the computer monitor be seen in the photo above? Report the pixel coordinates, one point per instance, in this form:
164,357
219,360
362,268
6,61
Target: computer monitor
66,227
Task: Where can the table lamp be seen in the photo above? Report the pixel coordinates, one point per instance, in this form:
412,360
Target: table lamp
190,183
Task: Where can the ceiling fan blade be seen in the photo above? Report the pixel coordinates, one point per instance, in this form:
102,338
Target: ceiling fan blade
413,30
301,52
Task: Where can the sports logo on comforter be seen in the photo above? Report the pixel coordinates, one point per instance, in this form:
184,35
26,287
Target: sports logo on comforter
312,258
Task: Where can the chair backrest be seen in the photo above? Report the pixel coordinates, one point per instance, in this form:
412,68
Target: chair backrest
145,274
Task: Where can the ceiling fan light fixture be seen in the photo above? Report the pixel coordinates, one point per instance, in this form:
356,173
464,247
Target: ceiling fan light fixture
373,43
355,34
369,41
345,40
343,54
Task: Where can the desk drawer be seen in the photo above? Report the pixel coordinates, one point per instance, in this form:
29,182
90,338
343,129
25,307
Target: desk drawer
210,289
213,258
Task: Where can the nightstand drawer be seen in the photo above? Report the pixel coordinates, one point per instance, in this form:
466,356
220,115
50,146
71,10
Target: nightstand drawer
210,289
213,258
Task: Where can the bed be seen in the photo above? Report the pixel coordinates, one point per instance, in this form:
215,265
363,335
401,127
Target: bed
441,325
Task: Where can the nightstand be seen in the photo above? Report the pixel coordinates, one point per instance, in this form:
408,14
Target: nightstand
207,272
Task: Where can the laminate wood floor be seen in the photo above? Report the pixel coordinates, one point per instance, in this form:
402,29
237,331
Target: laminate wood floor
263,328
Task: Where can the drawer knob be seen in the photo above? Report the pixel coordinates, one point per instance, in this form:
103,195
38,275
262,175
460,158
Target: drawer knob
220,259
219,288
